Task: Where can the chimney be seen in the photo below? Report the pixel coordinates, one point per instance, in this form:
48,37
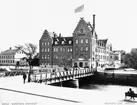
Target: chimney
10,48
94,21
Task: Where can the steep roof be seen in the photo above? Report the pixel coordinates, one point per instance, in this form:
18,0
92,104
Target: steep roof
87,24
10,51
47,34
104,41
63,41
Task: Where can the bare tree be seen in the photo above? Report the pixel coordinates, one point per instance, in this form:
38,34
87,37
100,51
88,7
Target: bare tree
30,50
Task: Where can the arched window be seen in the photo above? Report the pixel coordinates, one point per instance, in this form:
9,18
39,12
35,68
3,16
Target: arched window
81,41
86,48
76,41
86,40
81,48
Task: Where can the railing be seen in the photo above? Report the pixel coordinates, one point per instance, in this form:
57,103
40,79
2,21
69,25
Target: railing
52,77
12,73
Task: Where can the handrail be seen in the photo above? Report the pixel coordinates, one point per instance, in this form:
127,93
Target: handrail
12,73
60,75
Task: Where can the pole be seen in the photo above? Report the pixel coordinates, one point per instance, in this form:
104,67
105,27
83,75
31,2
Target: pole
29,69
52,56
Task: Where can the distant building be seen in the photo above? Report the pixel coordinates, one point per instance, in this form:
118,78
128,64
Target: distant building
103,52
117,57
11,57
81,50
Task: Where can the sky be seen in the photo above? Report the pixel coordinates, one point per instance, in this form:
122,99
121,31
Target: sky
24,21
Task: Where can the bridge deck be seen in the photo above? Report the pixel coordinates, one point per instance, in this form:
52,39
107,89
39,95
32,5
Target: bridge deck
54,77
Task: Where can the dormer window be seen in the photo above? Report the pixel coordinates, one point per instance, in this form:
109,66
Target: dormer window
56,42
62,42
42,43
70,42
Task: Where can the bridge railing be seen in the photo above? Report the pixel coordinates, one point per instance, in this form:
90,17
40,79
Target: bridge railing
12,73
60,75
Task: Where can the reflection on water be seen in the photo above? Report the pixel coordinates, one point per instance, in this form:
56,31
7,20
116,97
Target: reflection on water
94,86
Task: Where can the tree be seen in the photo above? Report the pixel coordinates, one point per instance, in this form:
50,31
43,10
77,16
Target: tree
30,50
129,60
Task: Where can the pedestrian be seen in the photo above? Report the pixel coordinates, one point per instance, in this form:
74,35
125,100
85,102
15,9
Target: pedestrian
24,77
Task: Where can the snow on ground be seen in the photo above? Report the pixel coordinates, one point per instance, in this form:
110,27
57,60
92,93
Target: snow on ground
18,93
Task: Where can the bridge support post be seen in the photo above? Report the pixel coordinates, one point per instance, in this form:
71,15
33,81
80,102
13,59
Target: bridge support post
61,83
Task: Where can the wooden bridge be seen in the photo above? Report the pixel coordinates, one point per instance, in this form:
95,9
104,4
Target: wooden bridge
59,76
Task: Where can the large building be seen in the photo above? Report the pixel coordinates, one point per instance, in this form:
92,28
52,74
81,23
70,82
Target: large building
11,57
103,52
81,49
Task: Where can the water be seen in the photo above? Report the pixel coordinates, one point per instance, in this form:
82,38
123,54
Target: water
111,94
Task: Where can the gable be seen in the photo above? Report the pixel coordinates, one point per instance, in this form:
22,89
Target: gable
82,27
46,35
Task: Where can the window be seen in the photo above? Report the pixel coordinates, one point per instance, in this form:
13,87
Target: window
70,49
86,40
56,42
76,41
42,57
45,50
81,41
48,56
62,42
56,49
48,43
48,49
42,49
60,49
63,49
45,57
81,48
42,43
86,48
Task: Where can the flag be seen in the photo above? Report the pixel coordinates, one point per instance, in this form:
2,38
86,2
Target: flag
79,9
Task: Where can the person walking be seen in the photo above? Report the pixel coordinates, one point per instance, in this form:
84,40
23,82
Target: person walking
24,77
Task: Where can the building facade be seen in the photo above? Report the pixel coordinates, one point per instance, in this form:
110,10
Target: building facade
117,57
11,57
82,49
103,52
